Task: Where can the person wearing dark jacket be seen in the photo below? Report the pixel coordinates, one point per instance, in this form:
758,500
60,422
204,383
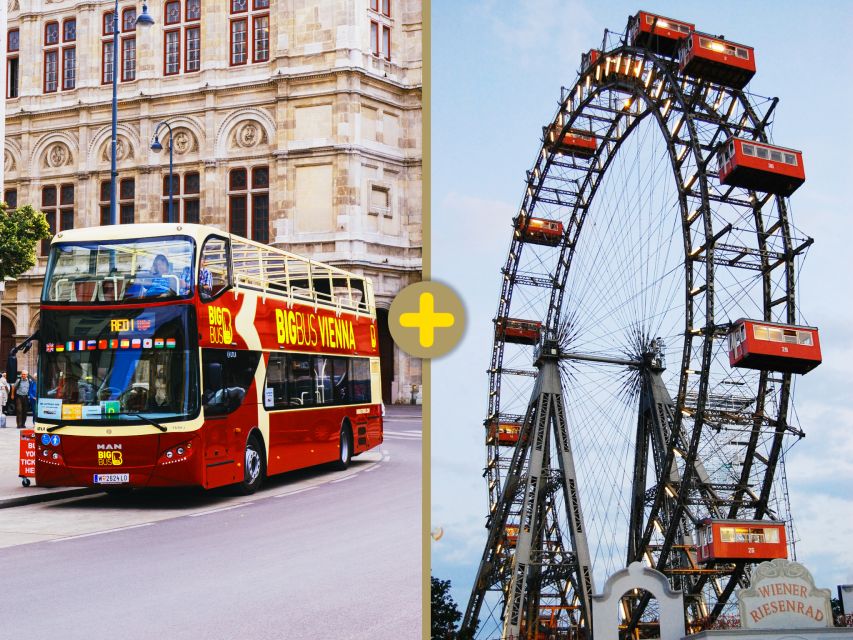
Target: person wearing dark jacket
21,391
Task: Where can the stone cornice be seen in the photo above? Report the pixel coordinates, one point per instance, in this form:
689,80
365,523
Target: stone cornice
104,104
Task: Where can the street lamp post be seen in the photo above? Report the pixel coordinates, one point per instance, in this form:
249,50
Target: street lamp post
145,19
157,148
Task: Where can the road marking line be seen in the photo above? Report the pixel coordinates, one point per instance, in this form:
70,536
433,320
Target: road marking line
233,506
97,533
344,479
290,493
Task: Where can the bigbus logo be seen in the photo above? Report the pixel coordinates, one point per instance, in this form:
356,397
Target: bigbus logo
109,458
219,319
301,329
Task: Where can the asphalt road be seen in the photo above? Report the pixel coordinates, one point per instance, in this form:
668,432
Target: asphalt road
314,554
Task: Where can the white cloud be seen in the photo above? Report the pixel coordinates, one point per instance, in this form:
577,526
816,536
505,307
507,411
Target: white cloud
528,32
823,460
823,525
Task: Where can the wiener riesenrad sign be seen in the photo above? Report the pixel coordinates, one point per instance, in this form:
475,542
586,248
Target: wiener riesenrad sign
783,596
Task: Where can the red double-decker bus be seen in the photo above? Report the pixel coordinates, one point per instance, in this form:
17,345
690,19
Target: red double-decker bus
180,355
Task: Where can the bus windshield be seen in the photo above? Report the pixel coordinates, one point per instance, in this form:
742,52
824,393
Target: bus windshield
114,271
118,365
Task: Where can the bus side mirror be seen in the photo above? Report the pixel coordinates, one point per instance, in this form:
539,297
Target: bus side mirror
11,367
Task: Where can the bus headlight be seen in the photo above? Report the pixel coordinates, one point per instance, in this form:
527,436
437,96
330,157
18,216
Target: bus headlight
176,454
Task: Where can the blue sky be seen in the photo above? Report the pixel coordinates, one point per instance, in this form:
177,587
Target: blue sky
497,69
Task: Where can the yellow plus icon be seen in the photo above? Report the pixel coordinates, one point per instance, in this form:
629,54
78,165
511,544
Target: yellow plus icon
427,320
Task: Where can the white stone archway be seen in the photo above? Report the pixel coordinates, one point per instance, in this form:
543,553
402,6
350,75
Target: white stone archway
637,576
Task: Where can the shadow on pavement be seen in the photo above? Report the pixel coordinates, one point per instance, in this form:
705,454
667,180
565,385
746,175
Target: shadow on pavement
196,497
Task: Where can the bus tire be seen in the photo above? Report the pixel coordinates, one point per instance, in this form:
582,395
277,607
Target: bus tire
253,467
344,448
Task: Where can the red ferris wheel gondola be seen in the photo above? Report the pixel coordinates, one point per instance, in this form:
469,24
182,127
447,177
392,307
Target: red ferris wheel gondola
662,35
760,166
754,344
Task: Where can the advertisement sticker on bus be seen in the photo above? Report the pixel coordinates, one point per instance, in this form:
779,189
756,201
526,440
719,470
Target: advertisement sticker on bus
50,408
91,412
72,411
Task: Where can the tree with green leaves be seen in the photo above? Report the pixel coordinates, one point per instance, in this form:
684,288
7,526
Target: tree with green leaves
444,613
20,230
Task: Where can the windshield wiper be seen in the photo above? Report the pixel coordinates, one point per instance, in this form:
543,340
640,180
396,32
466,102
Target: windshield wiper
117,413
141,417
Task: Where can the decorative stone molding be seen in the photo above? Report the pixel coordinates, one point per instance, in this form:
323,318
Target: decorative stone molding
9,164
124,150
235,132
127,142
57,155
249,135
184,142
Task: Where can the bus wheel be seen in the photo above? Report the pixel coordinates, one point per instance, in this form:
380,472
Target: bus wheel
253,469
345,449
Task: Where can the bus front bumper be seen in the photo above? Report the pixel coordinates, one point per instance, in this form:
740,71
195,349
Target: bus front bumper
162,460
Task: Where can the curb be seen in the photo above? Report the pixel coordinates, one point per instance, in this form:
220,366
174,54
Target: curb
46,497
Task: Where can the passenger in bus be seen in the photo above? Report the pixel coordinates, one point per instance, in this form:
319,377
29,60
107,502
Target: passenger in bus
205,281
86,390
186,280
162,282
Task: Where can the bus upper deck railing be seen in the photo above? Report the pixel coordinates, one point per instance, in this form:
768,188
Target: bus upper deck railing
281,273
253,266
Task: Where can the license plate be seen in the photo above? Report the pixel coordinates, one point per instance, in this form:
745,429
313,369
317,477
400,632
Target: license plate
111,478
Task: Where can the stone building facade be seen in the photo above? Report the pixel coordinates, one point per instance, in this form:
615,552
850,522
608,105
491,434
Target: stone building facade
294,122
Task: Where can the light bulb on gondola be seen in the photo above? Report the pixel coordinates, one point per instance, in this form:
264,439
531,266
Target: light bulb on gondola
436,533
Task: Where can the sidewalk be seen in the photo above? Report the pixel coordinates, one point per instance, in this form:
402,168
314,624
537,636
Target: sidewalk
12,492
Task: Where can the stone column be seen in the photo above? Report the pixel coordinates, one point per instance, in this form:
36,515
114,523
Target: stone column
149,47
89,30
31,60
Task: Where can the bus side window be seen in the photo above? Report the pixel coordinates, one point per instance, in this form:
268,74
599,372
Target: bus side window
340,380
227,377
213,268
323,376
300,381
276,383
360,379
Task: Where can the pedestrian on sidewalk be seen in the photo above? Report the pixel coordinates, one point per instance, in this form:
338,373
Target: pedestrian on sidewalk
33,395
21,393
5,389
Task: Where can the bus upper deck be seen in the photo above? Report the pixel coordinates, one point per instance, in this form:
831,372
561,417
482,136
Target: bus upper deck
103,266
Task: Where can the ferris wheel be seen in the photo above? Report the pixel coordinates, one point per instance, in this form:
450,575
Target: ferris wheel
646,338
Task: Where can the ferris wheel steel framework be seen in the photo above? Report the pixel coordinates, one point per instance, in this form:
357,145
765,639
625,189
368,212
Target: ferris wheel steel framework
694,117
